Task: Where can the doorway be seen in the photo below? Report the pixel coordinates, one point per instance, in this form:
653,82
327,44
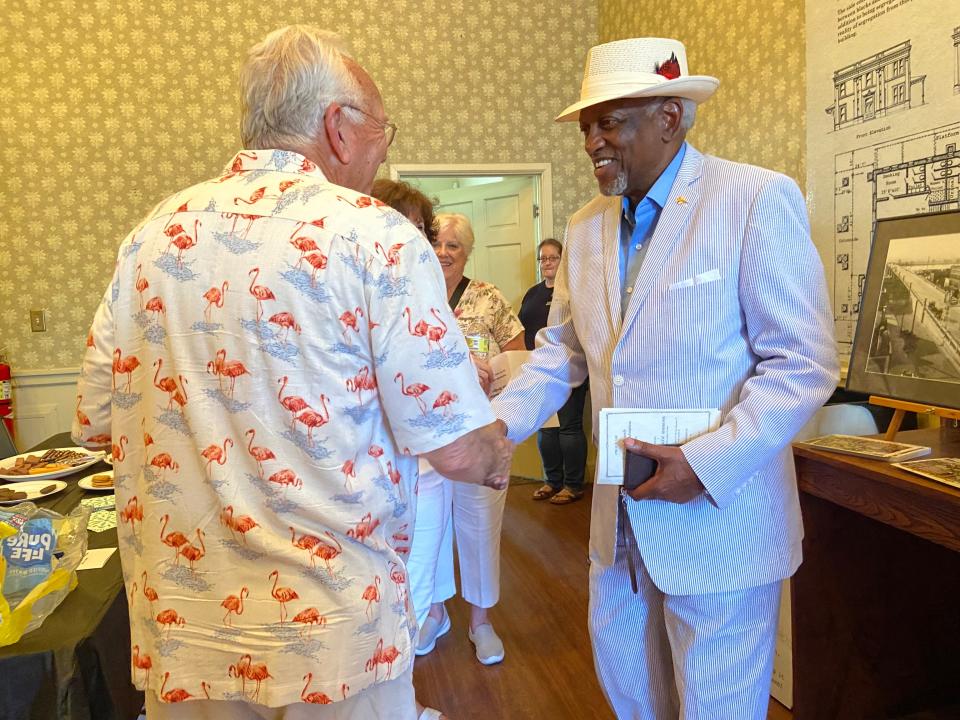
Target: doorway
509,209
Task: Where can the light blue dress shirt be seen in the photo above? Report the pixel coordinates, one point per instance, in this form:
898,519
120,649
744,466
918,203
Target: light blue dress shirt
636,227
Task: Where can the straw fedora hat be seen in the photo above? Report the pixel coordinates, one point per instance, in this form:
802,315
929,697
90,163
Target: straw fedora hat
638,67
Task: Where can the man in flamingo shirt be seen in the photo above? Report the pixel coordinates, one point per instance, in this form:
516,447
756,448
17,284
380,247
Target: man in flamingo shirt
242,365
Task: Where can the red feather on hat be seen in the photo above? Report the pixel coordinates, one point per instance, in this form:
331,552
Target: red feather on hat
670,69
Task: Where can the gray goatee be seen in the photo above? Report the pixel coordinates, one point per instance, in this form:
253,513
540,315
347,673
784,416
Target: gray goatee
618,186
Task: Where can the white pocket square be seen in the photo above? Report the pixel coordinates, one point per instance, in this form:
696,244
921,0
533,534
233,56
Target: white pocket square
702,279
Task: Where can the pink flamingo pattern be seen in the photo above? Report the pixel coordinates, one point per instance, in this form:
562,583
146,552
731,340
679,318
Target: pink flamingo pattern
231,369
216,454
260,454
291,403
414,390
183,241
215,297
238,524
265,491
259,292
360,382
141,285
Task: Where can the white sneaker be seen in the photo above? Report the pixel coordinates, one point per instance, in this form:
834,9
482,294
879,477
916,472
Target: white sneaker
431,630
488,644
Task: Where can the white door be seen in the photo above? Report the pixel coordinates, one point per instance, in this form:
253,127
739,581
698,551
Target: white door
505,246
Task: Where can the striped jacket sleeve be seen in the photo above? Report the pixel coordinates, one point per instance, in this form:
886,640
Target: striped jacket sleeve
556,365
790,329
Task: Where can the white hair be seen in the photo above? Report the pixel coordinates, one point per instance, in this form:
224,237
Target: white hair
459,225
288,81
689,113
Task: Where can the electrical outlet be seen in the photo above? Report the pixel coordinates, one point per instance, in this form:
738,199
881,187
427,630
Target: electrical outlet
38,320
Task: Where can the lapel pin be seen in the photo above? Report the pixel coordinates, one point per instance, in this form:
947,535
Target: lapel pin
681,200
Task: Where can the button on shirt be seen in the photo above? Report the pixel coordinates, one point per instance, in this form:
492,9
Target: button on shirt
637,226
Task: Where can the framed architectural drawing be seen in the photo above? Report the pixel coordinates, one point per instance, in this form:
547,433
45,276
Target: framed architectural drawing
907,340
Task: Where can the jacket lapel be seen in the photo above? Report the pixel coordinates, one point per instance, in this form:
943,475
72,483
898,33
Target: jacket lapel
610,247
683,197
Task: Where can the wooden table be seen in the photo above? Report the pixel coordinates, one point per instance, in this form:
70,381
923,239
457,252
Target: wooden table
876,602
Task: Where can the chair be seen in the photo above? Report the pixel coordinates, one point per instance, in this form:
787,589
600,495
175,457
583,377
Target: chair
7,448
842,419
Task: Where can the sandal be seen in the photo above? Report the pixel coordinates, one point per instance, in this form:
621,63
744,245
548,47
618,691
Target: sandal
566,496
545,492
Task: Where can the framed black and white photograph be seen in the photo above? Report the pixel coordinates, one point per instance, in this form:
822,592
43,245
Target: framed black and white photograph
907,341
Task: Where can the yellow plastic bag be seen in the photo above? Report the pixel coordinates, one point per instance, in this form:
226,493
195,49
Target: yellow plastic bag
39,554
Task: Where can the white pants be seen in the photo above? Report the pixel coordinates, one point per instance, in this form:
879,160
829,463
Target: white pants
694,657
390,700
476,520
433,521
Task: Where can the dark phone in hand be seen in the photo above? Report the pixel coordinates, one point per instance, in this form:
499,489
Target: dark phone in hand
637,469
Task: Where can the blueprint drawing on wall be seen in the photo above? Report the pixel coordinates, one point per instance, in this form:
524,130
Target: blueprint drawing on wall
883,129
912,175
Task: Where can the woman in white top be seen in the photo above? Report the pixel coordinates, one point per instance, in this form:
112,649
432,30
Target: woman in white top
484,316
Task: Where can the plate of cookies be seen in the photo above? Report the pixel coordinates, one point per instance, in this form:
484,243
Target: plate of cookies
48,464
100,481
29,490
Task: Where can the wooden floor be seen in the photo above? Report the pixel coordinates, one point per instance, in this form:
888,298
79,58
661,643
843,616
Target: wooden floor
542,618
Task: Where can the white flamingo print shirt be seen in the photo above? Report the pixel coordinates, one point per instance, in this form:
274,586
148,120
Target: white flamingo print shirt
270,356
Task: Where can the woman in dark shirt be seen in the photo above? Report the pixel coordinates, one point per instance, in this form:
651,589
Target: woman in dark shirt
563,449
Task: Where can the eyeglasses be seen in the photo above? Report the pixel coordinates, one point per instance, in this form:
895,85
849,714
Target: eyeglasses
549,258
389,128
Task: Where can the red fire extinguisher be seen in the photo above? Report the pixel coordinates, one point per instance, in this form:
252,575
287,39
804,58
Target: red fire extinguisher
6,394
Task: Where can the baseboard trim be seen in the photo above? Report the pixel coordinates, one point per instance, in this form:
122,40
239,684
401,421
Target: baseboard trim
45,376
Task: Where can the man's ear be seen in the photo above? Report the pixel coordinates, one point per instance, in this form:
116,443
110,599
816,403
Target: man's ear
336,127
670,116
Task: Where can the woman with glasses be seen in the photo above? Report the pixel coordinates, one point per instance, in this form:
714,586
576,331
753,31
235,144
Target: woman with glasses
563,449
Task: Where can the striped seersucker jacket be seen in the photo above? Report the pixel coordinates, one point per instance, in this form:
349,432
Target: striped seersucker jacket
729,310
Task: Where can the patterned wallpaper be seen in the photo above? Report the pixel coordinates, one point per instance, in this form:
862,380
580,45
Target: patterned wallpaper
107,106
757,51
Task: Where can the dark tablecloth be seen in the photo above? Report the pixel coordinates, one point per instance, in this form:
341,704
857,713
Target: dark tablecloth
76,665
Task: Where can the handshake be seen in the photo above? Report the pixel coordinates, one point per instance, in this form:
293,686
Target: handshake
503,448
501,457
482,457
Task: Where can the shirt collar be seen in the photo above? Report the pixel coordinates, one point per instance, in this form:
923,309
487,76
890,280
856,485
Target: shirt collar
660,190
287,161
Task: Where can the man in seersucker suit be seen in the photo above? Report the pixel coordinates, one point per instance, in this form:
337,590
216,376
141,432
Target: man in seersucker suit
690,282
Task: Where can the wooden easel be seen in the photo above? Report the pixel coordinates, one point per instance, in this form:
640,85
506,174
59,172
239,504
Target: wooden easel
901,407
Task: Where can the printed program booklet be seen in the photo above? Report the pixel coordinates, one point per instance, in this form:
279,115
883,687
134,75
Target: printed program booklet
945,470
866,447
661,427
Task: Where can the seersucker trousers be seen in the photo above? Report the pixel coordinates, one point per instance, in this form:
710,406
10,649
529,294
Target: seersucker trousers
693,657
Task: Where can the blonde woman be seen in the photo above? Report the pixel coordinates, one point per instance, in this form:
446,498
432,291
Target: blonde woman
476,517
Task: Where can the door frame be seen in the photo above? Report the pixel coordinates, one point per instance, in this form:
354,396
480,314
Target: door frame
543,185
